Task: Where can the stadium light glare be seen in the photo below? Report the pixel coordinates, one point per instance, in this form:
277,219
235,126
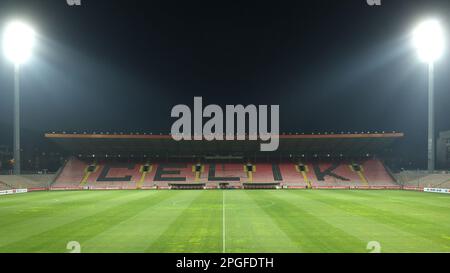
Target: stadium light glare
18,42
428,39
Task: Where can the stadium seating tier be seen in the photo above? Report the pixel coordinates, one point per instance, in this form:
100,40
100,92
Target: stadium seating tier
369,172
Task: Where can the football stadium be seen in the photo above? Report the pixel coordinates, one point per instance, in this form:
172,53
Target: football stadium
317,127
149,193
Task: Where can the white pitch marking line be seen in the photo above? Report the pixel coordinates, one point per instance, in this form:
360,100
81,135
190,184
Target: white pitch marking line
223,221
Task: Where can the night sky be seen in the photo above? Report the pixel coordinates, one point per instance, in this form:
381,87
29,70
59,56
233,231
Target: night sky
122,65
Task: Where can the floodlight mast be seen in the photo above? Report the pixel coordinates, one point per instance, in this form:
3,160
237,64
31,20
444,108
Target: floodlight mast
428,39
16,142
431,142
18,42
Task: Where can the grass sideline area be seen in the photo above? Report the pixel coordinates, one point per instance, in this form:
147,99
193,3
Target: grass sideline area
225,221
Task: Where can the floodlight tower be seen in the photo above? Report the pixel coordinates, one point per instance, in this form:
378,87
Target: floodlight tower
428,39
18,41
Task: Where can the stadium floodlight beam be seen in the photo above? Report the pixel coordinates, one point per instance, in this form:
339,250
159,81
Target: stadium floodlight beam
18,41
428,39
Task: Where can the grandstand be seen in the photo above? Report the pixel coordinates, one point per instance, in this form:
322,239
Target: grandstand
4,186
156,161
423,179
110,173
112,161
30,181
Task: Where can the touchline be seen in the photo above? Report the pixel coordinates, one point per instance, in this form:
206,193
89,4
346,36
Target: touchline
235,116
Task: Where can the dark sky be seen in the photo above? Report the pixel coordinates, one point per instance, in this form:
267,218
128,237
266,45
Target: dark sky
121,65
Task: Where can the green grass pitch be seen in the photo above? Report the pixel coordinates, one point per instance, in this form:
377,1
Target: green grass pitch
225,221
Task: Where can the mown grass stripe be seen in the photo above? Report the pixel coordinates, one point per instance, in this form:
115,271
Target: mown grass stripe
311,232
44,208
391,238
251,229
136,233
83,228
405,220
196,229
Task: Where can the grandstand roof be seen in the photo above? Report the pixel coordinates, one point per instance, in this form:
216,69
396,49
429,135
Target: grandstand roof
320,144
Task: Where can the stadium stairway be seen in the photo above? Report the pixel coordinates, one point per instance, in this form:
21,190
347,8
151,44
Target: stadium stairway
91,168
144,170
303,169
358,169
